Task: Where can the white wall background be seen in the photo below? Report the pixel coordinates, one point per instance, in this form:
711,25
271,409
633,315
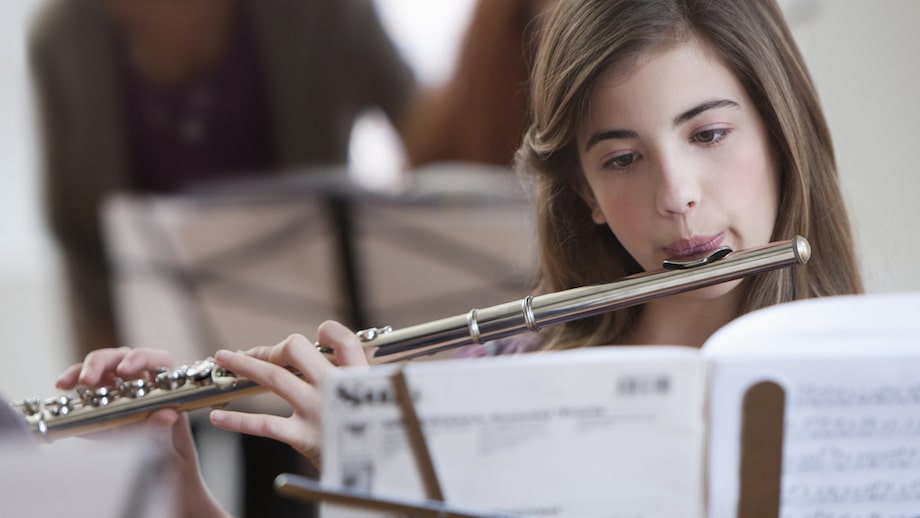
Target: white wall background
864,59
863,55
33,341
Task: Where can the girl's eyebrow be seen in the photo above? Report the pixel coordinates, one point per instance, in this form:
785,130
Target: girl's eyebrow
613,134
609,134
702,107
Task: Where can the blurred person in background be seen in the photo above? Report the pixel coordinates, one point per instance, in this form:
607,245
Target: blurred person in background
151,96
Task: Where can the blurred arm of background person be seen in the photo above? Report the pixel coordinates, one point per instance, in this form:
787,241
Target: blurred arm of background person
480,113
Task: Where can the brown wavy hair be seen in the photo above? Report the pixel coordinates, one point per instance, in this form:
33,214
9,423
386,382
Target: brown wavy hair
584,39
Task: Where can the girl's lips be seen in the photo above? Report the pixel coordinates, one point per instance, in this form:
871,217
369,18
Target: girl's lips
693,247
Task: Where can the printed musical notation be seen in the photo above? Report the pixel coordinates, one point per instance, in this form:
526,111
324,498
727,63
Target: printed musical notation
836,458
836,395
852,450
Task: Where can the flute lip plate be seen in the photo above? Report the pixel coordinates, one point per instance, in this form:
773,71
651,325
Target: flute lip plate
717,254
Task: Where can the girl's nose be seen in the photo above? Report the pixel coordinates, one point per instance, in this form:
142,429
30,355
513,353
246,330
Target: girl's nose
678,189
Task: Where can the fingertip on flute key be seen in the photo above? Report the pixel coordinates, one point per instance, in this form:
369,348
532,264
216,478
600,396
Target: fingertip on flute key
225,355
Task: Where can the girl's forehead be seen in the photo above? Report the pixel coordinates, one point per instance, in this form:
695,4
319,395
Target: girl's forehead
658,86
631,64
684,70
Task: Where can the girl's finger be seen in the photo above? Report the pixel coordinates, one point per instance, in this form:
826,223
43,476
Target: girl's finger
67,380
99,362
298,353
278,379
285,429
347,348
140,361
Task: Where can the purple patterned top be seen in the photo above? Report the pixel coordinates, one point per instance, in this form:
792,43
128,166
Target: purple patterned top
213,128
517,344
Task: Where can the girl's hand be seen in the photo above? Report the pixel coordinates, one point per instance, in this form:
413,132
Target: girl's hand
270,366
100,368
193,498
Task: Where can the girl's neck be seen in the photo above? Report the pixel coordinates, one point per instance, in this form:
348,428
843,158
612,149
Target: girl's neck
684,319
170,54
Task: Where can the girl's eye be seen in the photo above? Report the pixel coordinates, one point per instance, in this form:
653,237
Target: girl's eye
621,161
710,136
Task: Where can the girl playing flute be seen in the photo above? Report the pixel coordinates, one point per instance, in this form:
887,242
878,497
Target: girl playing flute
661,129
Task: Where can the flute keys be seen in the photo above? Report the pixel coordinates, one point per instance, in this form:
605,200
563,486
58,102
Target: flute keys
29,407
200,372
103,396
170,380
367,335
56,406
223,378
61,405
132,389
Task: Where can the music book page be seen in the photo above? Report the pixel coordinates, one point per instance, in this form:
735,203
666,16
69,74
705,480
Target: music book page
803,410
597,432
851,376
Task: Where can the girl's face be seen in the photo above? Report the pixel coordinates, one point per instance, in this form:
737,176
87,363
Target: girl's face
676,159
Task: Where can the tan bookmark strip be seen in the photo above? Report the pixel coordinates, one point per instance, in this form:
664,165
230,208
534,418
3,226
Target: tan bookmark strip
417,438
761,451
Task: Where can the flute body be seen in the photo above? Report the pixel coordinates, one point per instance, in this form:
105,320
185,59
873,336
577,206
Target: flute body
205,384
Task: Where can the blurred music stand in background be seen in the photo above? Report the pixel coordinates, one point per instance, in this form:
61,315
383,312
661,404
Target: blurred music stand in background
457,239
246,263
194,274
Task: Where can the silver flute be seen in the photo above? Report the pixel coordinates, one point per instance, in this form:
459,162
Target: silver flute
205,384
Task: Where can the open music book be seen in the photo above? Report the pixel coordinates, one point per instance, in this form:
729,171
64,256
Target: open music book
805,410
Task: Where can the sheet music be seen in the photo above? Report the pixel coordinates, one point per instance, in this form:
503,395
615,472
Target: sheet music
852,416
609,432
853,441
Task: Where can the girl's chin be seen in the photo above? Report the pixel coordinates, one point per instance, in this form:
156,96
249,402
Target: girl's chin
716,291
